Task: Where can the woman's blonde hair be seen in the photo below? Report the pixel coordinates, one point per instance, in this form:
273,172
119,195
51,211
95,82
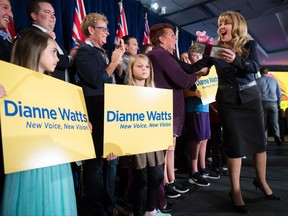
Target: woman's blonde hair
239,31
91,20
148,82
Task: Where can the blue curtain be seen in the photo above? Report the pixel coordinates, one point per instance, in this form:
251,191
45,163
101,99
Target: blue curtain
64,10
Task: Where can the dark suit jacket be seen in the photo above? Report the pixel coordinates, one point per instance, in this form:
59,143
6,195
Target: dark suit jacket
5,50
62,65
91,69
5,53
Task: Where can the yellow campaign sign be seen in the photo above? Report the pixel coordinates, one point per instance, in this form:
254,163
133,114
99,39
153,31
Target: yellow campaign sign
43,120
137,119
208,85
282,79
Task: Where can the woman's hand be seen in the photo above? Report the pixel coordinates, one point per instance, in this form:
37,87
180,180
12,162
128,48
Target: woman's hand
90,127
228,55
3,93
171,148
203,72
198,93
121,46
117,56
111,156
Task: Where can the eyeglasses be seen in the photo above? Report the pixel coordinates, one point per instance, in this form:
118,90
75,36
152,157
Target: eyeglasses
49,12
102,28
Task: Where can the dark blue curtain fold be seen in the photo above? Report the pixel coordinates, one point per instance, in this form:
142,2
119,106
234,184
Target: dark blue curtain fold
64,10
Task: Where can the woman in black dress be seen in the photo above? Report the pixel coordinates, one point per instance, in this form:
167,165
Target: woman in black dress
239,103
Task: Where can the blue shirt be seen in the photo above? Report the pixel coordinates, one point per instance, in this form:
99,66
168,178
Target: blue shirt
270,89
194,104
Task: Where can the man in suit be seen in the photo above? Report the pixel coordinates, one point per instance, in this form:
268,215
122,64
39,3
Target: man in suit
5,16
131,48
42,16
5,52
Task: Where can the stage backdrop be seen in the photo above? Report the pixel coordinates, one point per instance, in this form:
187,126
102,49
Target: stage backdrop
64,10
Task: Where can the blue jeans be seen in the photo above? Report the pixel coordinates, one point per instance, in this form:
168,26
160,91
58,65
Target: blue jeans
271,117
110,181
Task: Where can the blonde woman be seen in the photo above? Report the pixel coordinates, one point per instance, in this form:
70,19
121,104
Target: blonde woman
239,104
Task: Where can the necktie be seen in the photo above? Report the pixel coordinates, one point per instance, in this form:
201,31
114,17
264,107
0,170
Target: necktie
60,51
113,79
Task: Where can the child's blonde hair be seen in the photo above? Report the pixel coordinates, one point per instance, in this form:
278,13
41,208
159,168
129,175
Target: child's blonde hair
149,82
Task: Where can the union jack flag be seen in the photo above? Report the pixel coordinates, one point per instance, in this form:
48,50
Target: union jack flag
79,14
146,36
122,25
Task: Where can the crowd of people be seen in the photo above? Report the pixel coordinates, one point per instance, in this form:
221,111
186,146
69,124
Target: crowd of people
230,134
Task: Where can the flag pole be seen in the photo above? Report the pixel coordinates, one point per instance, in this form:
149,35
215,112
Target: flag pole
177,39
122,29
146,36
79,15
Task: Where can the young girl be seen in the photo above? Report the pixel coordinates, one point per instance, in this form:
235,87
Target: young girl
42,191
147,167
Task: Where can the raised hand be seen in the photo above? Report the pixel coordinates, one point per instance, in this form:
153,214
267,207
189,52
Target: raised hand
3,93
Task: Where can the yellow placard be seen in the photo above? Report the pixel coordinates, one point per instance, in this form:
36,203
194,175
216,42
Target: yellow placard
207,85
282,79
43,120
137,119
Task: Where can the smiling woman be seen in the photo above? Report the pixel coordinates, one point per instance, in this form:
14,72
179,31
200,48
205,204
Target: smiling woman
94,69
239,103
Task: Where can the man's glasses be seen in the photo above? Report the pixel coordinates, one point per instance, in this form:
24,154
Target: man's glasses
102,28
49,12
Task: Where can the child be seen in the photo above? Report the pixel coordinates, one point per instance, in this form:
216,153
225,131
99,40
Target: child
48,190
147,167
198,131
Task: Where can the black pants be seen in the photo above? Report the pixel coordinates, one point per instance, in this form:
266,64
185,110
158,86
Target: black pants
2,175
216,142
93,180
146,186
